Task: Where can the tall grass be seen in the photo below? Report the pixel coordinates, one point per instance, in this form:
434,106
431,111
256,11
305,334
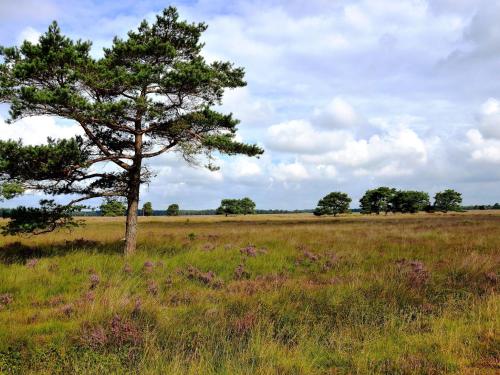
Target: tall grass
414,294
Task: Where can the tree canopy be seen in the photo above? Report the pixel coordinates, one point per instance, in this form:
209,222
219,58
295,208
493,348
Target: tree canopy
448,200
410,201
333,204
147,209
378,200
385,199
152,92
173,210
236,206
113,207
247,206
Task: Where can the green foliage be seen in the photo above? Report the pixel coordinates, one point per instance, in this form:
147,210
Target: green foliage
385,199
113,207
409,201
333,204
147,209
40,166
46,218
9,190
152,92
173,210
448,200
236,206
247,206
229,207
377,200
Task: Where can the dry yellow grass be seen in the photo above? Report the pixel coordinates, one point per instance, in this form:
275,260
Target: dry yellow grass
266,294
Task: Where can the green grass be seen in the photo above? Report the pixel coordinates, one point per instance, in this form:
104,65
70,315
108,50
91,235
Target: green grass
404,294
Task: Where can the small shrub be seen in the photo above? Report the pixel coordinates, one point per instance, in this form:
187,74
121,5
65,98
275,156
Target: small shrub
148,266
208,247
116,332
244,324
67,310
207,278
249,251
414,272
94,280
241,273
153,287
6,299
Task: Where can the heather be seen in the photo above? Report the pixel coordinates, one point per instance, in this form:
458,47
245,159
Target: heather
260,294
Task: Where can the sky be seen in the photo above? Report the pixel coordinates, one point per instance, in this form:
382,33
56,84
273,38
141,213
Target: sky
342,95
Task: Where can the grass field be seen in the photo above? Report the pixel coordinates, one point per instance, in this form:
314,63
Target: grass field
290,294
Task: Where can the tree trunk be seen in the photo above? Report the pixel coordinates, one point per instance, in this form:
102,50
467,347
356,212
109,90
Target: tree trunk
132,207
134,186
131,223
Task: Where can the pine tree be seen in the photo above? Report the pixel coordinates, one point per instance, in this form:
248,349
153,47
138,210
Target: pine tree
151,93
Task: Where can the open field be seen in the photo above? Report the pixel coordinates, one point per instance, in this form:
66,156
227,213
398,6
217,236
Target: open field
284,294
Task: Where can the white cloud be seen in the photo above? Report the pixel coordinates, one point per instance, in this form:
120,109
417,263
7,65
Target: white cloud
483,150
355,17
489,119
338,113
301,137
35,130
29,34
242,168
289,172
401,144
250,110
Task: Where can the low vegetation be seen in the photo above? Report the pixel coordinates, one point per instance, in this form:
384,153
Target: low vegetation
277,294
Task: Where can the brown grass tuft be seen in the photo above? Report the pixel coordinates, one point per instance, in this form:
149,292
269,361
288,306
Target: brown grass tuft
414,272
116,332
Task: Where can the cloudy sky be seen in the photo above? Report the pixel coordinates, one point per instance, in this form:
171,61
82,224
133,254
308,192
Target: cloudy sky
342,95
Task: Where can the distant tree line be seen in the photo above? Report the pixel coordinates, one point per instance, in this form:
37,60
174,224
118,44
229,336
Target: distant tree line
117,207
375,201
385,199
495,206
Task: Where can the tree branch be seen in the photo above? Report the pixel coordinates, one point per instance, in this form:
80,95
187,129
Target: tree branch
161,151
105,151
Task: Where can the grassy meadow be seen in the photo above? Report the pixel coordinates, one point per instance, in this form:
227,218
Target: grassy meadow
266,294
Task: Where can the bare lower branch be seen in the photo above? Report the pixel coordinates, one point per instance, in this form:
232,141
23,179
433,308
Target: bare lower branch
114,158
160,151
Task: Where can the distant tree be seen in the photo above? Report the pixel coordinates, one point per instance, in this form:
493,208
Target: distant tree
377,200
230,207
151,92
147,209
496,206
448,200
409,201
247,206
333,204
113,207
173,210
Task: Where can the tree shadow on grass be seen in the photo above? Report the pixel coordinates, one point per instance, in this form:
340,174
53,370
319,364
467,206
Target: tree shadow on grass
17,252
